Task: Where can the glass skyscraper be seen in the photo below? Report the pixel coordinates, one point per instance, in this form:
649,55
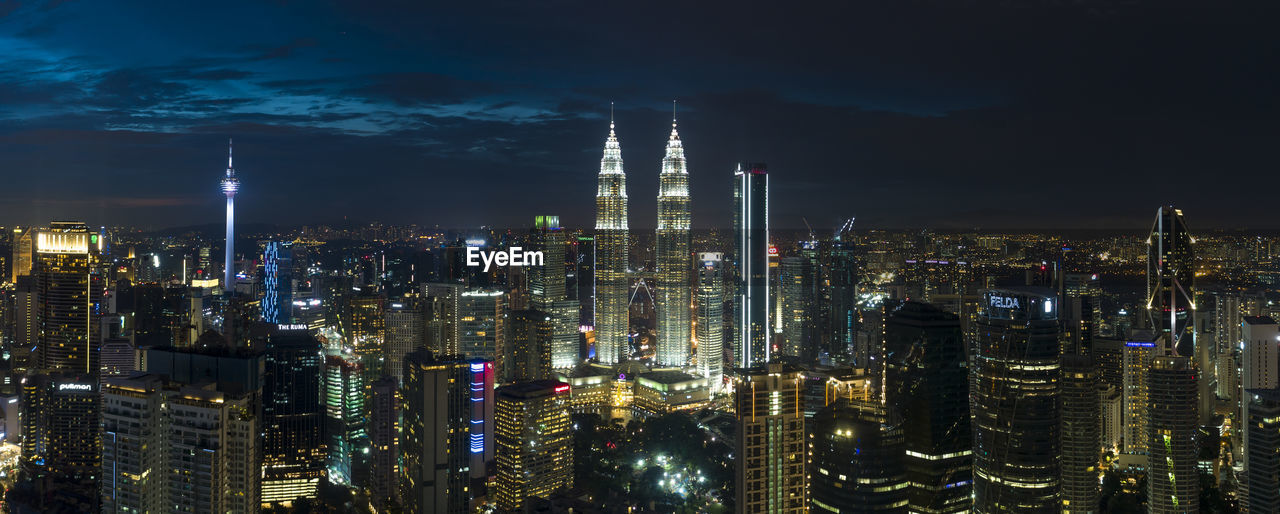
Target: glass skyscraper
710,323
751,236
1171,280
925,382
1016,444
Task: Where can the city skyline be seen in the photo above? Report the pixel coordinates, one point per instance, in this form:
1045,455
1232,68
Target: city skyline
920,275
839,105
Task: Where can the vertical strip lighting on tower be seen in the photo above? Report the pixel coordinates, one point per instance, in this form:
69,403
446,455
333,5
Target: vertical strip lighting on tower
751,233
230,185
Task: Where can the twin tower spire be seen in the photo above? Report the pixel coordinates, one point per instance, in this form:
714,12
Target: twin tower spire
673,257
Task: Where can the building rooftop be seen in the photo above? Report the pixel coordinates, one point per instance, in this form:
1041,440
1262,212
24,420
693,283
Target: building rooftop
532,389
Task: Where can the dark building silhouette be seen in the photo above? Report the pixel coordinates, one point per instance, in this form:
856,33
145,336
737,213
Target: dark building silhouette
858,461
927,384
293,450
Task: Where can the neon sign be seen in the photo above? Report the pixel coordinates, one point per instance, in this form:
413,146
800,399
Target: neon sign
1005,302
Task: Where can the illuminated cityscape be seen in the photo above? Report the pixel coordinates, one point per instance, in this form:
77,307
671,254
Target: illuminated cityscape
945,293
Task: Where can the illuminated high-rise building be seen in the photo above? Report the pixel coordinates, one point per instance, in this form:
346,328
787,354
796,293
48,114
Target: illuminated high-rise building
384,441
1016,445
796,290
23,247
1137,365
548,291
770,451
1081,426
447,436
173,447
482,327
230,186
674,260
293,449
1261,482
1173,482
345,423
60,428
751,234
1259,363
443,303
534,439
710,323
1171,271
62,270
612,255
406,331
926,382
530,334
547,282
277,282
367,331
60,399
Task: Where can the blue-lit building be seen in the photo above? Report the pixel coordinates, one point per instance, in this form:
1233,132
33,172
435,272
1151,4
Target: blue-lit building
446,442
277,282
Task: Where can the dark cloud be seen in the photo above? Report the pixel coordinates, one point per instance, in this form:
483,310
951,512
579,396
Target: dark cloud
928,113
420,88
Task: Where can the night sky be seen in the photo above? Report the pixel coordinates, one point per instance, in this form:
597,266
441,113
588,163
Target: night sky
902,113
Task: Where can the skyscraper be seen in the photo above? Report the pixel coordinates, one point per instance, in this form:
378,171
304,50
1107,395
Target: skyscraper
277,282
406,331
534,439
62,267
796,289
1016,445
366,332
530,334
1081,425
447,434
925,383
770,451
1171,281
674,264
1173,482
547,288
858,460
176,447
294,449
345,424
384,439
710,323
547,282
612,255
230,185
1259,367
443,304
751,235
1137,365
841,272
1261,482
481,325
60,400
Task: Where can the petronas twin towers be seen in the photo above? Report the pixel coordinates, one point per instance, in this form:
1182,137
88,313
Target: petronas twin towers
674,260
